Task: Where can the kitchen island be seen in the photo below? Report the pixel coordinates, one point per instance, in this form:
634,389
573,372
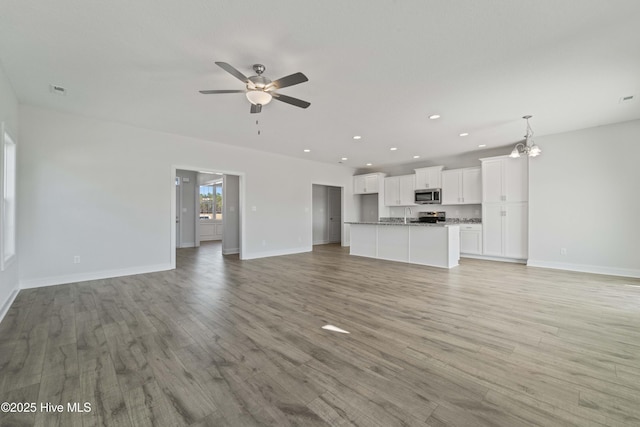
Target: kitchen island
436,245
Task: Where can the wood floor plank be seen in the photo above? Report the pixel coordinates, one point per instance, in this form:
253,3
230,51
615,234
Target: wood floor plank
220,341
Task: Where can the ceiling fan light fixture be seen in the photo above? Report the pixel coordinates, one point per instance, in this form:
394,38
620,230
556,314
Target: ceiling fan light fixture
259,97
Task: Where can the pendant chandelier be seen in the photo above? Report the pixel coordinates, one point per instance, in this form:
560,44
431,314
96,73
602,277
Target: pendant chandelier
528,147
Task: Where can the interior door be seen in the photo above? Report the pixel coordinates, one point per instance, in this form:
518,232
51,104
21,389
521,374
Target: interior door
335,214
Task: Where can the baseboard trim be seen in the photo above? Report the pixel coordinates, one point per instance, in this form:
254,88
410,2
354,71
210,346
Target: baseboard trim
230,251
97,275
494,258
584,268
188,245
281,252
7,304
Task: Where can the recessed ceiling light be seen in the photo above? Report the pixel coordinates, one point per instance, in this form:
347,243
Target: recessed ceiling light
369,164
416,157
434,116
219,173
464,134
357,137
307,150
393,148
482,145
344,158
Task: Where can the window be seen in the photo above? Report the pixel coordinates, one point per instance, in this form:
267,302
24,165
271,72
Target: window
8,218
211,201
206,202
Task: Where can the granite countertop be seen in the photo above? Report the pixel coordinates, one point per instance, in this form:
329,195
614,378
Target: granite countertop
464,221
414,221
418,224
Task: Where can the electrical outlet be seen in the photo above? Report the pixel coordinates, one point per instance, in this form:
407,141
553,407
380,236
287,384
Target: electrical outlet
76,259
563,251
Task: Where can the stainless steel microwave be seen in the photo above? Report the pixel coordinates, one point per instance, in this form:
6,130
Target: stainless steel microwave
431,196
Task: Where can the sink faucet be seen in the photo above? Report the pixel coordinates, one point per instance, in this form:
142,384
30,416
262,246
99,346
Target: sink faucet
405,213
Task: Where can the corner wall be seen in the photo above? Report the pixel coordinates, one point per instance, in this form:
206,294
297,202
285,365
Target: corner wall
584,197
9,116
101,190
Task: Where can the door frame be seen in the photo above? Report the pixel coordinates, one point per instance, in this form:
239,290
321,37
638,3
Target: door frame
342,210
173,210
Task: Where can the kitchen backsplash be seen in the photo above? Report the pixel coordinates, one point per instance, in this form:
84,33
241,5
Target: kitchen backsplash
453,211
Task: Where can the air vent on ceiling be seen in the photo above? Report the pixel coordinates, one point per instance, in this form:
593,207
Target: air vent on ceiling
57,89
626,98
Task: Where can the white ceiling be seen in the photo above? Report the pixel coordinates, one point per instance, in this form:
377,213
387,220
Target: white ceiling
375,68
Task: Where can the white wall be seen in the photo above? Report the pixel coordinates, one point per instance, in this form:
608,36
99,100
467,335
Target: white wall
102,190
9,116
368,207
231,215
584,197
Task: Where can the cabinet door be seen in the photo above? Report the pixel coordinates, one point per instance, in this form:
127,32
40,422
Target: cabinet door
515,179
471,185
470,241
492,230
407,190
492,191
392,191
371,183
515,230
451,186
435,179
422,179
427,178
358,184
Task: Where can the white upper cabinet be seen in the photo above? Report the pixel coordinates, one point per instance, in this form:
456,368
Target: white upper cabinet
504,179
399,190
451,187
472,185
427,178
367,184
462,186
392,191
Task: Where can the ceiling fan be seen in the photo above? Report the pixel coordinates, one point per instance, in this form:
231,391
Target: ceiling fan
260,90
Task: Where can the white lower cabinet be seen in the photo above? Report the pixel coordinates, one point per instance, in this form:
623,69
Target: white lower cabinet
471,239
504,230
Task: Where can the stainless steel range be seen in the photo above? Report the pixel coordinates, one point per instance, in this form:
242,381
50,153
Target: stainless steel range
432,217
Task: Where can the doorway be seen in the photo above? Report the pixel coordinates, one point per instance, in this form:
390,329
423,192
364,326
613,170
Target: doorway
327,214
206,208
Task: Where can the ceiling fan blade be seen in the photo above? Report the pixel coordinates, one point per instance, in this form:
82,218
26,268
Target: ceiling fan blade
290,80
235,73
290,100
209,92
256,108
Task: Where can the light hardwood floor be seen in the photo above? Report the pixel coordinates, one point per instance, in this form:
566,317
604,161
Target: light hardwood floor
221,342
